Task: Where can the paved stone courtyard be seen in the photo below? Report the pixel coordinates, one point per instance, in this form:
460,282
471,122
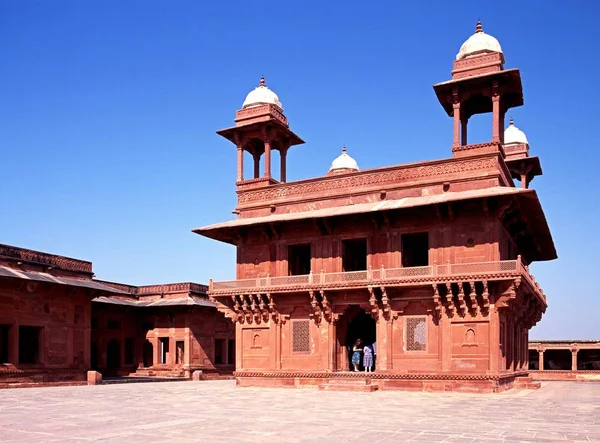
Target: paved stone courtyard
217,411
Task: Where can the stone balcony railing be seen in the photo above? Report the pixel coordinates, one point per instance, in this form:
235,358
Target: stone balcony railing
422,275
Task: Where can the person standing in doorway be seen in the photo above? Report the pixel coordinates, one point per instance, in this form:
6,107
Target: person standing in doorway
356,351
368,358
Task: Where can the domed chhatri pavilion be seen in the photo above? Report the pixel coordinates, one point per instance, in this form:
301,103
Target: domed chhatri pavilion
426,263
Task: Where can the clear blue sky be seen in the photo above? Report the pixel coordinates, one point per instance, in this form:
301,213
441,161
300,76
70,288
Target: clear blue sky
108,112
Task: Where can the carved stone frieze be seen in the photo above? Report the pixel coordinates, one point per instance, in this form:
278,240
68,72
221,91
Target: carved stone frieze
388,176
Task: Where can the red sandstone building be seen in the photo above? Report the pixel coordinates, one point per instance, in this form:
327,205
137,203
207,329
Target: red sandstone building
427,260
57,322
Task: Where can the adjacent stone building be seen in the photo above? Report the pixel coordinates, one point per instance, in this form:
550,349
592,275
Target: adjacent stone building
57,322
428,262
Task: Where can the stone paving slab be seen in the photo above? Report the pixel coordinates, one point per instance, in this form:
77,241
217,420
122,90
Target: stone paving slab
217,411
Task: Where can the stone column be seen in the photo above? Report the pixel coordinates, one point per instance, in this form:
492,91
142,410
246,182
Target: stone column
541,359
256,165
331,366
267,159
282,175
463,131
456,142
574,359
495,114
240,163
13,344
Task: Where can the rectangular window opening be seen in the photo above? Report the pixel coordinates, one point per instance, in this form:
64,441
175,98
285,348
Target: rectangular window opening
301,336
415,338
219,354
415,249
164,350
29,344
129,350
231,352
114,325
179,352
354,255
299,259
4,329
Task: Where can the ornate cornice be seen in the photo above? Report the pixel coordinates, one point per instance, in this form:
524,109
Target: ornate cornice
36,257
394,176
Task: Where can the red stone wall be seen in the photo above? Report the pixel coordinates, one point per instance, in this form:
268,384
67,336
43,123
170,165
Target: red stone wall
63,316
196,327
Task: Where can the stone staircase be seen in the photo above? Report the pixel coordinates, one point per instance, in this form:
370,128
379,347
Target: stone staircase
526,383
349,384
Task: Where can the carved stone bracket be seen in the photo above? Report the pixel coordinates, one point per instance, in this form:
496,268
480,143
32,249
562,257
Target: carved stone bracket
475,308
485,295
451,308
437,301
326,306
373,303
461,299
317,313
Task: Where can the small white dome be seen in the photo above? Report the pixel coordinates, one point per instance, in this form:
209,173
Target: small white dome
260,96
478,42
343,162
513,135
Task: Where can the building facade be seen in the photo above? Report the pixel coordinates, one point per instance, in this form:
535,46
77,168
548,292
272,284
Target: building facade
57,322
565,360
427,261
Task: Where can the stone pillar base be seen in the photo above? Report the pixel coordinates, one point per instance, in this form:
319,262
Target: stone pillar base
94,378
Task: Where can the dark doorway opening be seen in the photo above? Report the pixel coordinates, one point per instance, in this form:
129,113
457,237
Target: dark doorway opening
129,350
588,359
4,329
299,259
164,350
558,359
415,249
358,324
113,355
94,355
179,352
534,360
29,344
148,354
354,255
219,351
231,352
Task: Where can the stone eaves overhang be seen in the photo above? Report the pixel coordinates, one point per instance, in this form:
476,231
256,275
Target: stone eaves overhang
529,205
509,80
43,277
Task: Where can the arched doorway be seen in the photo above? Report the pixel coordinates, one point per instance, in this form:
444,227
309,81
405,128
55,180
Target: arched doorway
148,354
355,324
113,355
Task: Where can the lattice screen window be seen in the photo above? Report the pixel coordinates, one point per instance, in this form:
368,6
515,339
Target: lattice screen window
415,335
301,336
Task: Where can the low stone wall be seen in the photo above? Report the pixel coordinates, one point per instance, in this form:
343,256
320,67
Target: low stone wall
556,375
454,382
41,377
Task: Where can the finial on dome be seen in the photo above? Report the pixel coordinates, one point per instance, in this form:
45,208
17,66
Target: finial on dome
262,81
512,123
478,28
343,149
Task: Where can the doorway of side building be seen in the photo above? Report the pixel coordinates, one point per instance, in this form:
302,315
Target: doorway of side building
148,351
113,356
355,324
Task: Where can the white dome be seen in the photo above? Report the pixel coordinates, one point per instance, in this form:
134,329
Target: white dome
344,161
513,135
478,42
260,96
